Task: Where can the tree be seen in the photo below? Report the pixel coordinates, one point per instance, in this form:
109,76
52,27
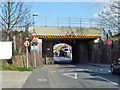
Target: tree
110,17
14,14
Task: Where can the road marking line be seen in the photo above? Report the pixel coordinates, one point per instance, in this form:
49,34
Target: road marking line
79,70
44,80
54,71
107,80
60,70
90,70
109,71
54,76
69,75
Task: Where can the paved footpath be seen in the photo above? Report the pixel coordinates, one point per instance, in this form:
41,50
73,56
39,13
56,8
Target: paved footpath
14,79
0,80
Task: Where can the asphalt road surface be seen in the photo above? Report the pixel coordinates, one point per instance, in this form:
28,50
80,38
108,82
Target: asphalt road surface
62,60
71,76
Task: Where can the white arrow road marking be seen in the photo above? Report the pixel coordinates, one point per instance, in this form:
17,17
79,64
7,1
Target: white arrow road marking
71,75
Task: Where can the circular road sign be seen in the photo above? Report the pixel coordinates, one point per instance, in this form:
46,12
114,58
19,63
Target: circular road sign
26,43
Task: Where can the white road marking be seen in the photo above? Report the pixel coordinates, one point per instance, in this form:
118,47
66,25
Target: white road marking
107,80
109,71
79,70
54,71
90,70
43,80
60,70
71,75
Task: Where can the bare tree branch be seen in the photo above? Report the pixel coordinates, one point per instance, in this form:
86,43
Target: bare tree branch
111,16
14,13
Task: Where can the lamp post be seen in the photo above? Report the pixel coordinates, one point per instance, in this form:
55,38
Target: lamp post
34,14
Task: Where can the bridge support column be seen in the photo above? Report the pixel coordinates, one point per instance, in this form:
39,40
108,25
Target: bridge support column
80,52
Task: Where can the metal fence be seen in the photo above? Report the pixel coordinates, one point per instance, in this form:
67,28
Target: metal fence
63,22
67,22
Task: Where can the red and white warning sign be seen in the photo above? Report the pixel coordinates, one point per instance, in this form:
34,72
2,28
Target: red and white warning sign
26,43
34,39
67,34
109,41
72,34
34,33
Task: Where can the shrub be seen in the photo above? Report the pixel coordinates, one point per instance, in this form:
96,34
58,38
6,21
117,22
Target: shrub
25,69
14,53
69,56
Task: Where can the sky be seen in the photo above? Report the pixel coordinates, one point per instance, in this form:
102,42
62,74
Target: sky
66,9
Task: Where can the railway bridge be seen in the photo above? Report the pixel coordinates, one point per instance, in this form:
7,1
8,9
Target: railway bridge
82,42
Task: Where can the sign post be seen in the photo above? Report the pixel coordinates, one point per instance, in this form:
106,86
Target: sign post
33,46
26,57
34,60
110,45
27,44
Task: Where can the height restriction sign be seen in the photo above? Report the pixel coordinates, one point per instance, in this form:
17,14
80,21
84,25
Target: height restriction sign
26,43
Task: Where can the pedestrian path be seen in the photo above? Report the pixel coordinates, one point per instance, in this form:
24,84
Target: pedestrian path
14,79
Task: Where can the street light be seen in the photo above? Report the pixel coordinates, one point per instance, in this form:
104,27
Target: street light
34,14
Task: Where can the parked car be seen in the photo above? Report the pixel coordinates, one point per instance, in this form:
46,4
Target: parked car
115,67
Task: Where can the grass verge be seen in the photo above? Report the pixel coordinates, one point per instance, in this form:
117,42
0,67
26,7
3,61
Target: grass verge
17,68
4,66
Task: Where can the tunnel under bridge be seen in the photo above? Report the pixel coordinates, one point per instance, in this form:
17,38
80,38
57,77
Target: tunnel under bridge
81,47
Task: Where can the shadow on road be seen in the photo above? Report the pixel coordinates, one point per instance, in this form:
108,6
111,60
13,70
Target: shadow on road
62,60
108,76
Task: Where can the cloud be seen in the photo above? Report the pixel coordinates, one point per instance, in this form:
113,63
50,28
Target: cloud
99,5
95,15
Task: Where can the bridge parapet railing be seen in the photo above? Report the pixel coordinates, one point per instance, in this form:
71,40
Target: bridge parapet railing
67,22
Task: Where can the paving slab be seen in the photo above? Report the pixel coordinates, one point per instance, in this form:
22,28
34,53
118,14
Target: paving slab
0,80
14,79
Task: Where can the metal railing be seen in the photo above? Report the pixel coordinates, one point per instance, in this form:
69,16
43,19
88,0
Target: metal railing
67,22
64,22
